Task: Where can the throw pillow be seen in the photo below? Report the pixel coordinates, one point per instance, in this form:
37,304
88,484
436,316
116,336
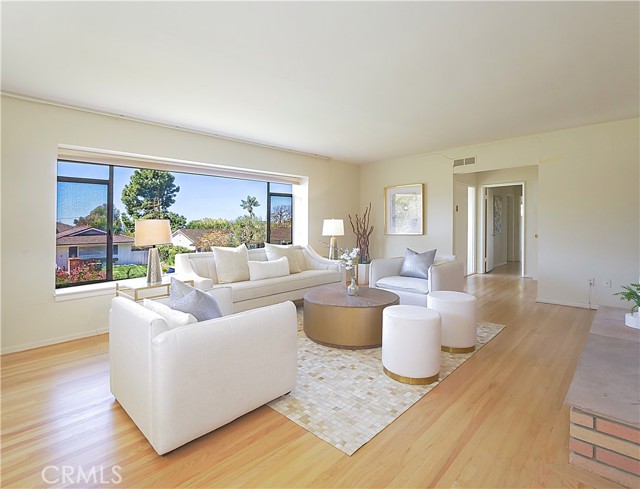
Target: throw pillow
185,298
174,318
259,270
232,264
274,252
417,264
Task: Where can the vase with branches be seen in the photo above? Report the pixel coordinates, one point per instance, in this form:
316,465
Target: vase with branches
363,231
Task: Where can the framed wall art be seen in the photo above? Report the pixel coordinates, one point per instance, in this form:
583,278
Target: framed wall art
404,209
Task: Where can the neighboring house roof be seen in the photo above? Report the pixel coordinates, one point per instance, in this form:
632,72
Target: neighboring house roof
60,226
86,235
193,235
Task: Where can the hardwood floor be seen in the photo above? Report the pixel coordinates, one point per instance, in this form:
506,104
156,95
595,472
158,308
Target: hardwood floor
497,421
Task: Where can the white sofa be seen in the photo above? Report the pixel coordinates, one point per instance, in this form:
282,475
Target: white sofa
179,384
249,294
446,273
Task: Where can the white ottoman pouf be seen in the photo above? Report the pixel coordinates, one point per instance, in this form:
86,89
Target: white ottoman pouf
459,321
411,344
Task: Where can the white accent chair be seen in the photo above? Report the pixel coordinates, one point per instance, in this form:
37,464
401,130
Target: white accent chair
446,273
179,384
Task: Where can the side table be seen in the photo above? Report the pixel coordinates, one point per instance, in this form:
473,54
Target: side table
138,289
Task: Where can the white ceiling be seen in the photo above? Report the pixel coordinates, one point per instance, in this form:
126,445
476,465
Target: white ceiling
356,81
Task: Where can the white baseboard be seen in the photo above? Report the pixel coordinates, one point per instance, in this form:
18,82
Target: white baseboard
52,341
582,305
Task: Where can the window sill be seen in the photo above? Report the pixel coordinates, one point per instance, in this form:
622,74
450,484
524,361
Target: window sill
85,291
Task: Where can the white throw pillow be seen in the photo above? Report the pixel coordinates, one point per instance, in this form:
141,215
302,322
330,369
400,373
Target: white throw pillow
232,264
274,252
183,297
174,318
259,270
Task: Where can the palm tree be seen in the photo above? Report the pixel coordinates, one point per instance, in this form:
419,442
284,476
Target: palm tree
249,204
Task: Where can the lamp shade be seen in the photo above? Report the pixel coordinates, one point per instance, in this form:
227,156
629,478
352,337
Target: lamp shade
151,232
333,227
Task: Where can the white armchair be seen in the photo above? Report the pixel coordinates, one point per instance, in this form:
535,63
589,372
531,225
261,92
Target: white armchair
181,383
446,273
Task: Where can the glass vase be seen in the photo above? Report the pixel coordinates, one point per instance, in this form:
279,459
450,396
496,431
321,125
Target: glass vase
352,288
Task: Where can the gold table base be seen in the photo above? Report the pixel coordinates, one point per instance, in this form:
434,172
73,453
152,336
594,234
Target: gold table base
333,318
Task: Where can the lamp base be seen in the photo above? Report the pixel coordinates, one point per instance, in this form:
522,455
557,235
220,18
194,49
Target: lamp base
333,248
154,268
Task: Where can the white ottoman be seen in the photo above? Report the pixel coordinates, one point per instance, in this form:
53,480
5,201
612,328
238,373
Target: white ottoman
459,321
411,344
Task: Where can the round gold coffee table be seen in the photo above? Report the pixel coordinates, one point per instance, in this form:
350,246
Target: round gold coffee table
333,318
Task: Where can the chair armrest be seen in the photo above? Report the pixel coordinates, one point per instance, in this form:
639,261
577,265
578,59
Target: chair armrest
447,275
384,267
218,370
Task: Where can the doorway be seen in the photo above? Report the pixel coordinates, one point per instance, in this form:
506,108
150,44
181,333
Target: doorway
503,229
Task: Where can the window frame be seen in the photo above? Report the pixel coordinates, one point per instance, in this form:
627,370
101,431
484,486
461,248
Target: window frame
277,194
109,231
194,170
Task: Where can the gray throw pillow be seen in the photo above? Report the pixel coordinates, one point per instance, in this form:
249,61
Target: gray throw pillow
417,264
183,297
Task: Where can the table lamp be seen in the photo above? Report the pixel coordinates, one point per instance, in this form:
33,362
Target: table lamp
152,232
333,228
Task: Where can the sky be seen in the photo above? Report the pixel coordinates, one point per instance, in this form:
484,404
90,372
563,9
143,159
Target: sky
199,196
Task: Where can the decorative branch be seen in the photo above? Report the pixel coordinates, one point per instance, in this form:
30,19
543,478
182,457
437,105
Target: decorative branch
362,231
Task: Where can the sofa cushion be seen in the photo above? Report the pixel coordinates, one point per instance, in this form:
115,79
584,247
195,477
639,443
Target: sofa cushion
185,298
294,255
248,290
259,270
407,284
232,264
173,317
417,264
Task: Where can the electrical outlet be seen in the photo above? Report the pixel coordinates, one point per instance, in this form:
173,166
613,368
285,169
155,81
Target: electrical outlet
606,284
592,281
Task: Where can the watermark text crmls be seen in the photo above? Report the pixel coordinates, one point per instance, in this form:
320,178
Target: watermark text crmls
76,474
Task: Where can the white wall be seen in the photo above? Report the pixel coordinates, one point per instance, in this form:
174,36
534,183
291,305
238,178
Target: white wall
435,173
589,218
31,133
582,200
588,212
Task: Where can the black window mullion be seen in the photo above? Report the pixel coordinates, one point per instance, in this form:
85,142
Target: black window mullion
110,226
268,212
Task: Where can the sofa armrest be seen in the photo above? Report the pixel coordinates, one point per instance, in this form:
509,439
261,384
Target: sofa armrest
185,271
314,261
446,275
131,329
384,267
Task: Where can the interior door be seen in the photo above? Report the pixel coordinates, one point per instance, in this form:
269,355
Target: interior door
489,235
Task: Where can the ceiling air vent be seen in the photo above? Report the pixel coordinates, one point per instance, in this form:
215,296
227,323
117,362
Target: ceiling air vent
465,161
